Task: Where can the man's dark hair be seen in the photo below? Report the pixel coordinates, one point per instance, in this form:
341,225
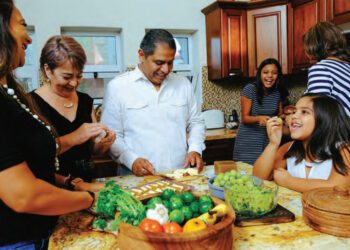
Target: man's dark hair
154,37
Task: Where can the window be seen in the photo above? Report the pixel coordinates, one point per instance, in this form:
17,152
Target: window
103,53
28,75
183,56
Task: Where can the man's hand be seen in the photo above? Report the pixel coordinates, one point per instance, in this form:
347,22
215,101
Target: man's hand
142,167
194,159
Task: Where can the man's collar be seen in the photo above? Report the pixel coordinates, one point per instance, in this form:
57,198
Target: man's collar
138,74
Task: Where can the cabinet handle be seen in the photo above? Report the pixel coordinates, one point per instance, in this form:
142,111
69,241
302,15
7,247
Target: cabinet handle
304,69
231,74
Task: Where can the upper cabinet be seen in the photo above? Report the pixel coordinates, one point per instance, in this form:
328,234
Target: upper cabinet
302,15
338,11
242,34
267,36
226,41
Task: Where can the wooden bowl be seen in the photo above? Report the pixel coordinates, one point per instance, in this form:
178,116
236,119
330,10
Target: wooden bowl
217,236
327,210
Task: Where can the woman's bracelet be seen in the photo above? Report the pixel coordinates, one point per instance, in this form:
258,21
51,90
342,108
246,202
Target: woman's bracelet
71,181
92,194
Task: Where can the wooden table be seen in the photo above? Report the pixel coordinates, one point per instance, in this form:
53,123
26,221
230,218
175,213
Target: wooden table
73,229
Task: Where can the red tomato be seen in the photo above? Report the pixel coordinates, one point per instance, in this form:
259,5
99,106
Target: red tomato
172,228
151,226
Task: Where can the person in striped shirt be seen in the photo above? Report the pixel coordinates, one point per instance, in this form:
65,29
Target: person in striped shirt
325,44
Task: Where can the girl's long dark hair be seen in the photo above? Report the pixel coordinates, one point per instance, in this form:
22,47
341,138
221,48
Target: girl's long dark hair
330,136
279,85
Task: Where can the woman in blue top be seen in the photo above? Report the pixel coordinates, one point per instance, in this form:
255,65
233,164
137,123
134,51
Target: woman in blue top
259,101
330,76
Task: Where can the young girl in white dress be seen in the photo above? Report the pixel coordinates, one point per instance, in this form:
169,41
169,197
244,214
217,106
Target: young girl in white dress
318,156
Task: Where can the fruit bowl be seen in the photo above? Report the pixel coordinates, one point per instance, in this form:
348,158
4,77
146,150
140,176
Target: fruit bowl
252,200
219,191
217,236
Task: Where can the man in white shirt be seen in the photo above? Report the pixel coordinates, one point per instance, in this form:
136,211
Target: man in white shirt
152,109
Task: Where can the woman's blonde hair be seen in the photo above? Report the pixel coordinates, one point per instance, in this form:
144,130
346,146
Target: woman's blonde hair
58,49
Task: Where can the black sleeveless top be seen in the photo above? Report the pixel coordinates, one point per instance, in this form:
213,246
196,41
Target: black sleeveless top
24,138
75,161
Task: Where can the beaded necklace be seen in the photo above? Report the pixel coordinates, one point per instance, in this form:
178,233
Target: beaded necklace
11,92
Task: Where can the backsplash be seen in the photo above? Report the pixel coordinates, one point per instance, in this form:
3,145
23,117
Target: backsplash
225,95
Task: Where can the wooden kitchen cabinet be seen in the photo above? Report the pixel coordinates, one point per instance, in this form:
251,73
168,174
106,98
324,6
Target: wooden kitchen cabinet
267,36
338,11
217,150
302,15
226,34
105,167
242,34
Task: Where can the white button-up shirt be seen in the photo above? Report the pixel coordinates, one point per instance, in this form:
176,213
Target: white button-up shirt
152,124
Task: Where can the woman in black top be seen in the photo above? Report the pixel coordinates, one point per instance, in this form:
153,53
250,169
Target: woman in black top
69,111
29,200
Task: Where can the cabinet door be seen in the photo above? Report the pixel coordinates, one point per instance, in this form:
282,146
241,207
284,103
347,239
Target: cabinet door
213,35
339,11
301,17
267,37
234,43
218,150
226,43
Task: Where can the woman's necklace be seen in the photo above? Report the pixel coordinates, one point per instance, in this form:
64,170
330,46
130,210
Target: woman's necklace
11,92
68,105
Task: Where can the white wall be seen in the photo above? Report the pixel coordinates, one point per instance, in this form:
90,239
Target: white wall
131,16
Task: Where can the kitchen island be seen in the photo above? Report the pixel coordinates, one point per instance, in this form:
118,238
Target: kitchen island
73,230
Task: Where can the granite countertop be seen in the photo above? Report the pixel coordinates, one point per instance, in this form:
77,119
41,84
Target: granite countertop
220,133
72,231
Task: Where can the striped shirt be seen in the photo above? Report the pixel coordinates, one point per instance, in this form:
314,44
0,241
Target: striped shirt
331,78
252,138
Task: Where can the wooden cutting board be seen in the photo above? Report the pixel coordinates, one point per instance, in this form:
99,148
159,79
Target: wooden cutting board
224,166
278,215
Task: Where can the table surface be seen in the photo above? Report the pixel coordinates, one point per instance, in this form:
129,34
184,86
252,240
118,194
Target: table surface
72,231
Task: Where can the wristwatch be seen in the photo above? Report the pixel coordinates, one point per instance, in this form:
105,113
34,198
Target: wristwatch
71,181
75,181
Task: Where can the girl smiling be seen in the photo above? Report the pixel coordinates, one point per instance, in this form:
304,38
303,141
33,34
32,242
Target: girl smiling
318,156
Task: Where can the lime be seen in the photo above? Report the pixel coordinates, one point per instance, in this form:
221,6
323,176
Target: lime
187,212
155,200
176,216
166,203
194,206
168,193
175,203
187,197
205,207
195,215
205,199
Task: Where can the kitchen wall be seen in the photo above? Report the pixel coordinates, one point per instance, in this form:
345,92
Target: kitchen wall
132,18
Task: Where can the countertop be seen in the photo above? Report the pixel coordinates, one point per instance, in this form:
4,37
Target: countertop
72,231
220,133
